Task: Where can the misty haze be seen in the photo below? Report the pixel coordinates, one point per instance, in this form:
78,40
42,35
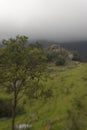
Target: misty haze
44,19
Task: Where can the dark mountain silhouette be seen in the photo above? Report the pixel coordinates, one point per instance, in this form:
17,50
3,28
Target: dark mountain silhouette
80,47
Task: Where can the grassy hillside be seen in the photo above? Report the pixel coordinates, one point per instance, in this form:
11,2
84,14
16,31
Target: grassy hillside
65,110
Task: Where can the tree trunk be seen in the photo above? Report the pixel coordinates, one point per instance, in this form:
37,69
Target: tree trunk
14,104
13,118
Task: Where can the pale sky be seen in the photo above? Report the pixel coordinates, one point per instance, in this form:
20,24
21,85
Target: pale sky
60,20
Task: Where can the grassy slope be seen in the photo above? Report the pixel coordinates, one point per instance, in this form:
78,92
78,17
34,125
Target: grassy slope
67,83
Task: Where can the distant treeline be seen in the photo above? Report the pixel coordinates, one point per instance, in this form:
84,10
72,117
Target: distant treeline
78,46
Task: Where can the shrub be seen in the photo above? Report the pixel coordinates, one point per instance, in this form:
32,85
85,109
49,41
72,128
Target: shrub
60,60
6,108
76,56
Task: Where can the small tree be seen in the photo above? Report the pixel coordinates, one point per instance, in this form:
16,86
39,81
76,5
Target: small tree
19,65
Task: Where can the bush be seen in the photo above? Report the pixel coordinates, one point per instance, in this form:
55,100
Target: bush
51,56
76,56
60,60
6,108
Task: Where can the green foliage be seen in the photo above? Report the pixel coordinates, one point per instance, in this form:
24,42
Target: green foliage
36,45
6,108
76,56
51,56
60,60
47,93
20,63
56,54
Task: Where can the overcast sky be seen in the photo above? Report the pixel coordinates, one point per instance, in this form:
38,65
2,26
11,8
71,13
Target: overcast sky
60,20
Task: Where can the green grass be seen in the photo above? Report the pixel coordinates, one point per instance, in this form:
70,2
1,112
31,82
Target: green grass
68,83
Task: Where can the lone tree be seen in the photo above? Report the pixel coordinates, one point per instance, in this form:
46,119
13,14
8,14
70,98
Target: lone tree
20,65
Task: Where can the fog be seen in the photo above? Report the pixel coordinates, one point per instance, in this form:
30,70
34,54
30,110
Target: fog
60,20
